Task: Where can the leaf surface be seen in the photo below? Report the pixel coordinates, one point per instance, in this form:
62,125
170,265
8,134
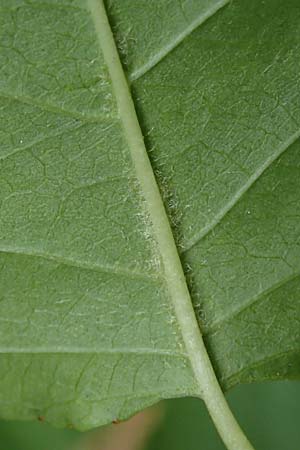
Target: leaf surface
88,328
221,114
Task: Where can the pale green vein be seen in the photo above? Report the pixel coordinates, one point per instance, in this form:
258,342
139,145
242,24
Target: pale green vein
208,387
155,59
105,180
248,304
261,362
39,5
152,396
240,193
48,107
65,129
87,350
80,264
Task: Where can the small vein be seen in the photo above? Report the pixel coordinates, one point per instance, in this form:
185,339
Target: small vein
239,194
256,299
107,179
231,379
94,351
29,145
70,262
148,395
39,5
155,59
53,108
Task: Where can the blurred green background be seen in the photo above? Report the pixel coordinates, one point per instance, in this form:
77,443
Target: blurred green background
268,412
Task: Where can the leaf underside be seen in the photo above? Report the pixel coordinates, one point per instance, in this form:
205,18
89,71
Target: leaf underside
88,332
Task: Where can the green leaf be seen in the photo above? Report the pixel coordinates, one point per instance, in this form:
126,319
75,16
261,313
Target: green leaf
96,318
268,411
222,114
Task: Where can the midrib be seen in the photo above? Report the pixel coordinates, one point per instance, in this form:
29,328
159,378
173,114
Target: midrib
207,385
161,230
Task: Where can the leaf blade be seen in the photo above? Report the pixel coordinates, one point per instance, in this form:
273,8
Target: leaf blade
65,165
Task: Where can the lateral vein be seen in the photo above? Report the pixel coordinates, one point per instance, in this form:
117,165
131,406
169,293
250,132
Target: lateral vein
71,262
239,194
214,327
159,56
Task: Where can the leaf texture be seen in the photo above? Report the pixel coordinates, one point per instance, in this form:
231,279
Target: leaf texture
223,129
88,329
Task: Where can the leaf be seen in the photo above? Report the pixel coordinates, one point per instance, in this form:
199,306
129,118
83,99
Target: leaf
231,177
96,320
269,412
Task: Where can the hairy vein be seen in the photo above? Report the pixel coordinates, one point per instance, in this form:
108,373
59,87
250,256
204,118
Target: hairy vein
70,262
158,225
206,384
205,381
94,351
